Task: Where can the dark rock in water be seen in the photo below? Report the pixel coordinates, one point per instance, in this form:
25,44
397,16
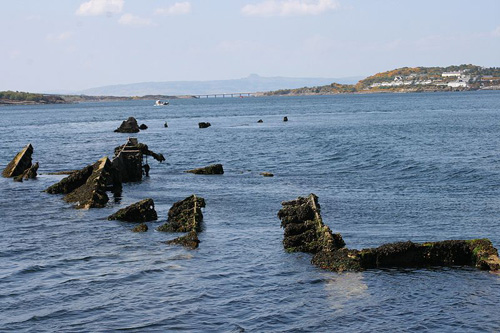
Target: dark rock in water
214,169
87,187
185,215
204,125
305,232
266,174
128,126
304,228
285,118
478,253
260,121
140,228
143,127
190,240
165,125
28,173
72,182
142,211
20,163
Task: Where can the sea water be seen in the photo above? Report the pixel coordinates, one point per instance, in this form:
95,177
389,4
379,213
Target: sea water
386,167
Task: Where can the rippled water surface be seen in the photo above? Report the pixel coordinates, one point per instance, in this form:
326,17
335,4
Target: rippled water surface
420,167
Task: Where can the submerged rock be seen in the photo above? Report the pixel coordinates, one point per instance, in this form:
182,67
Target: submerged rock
214,169
142,211
20,163
305,232
140,228
260,121
87,187
185,215
204,125
128,126
190,240
143,127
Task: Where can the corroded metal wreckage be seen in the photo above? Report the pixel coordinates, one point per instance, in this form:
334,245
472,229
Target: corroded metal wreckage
305,232
20,167
129,157
142,211
185,216
87,187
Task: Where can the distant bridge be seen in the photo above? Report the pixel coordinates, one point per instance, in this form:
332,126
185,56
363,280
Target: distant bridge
245,94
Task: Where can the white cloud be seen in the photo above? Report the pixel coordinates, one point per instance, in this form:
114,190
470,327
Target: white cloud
129,19
100,7
496,32
290,7
179,8
59,37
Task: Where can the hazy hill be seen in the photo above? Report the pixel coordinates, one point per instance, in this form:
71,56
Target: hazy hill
252,83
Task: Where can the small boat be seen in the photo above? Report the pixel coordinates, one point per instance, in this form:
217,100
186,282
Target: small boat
160,103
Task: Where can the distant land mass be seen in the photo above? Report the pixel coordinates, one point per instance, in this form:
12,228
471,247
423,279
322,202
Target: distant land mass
410,79
252,83
401,80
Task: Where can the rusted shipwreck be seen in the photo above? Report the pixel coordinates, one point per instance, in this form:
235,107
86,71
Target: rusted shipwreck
185,216
304,231
21,166
87,187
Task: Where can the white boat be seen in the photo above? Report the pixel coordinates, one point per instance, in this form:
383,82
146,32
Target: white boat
160,103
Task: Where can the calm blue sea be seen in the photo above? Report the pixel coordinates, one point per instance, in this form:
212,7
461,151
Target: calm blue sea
386,167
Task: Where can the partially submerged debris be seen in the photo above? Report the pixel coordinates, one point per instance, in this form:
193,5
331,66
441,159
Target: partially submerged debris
478,253
185,216
304,228
72,182
190,240
87,187
29,173
260,121
129,158
140,228
214,169
266,174
305,232
142,211
20,163
204,125
285,118
128,126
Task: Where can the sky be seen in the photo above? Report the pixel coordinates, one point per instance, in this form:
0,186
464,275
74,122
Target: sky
71,45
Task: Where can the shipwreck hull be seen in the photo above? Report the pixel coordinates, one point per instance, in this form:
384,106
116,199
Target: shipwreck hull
305,232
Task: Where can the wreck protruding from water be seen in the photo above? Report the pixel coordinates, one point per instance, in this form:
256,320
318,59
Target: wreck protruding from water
185,216
305,232
21,163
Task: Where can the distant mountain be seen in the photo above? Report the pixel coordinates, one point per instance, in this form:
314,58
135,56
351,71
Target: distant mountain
252,83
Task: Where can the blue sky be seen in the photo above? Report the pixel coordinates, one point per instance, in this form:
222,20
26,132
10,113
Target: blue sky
55,45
